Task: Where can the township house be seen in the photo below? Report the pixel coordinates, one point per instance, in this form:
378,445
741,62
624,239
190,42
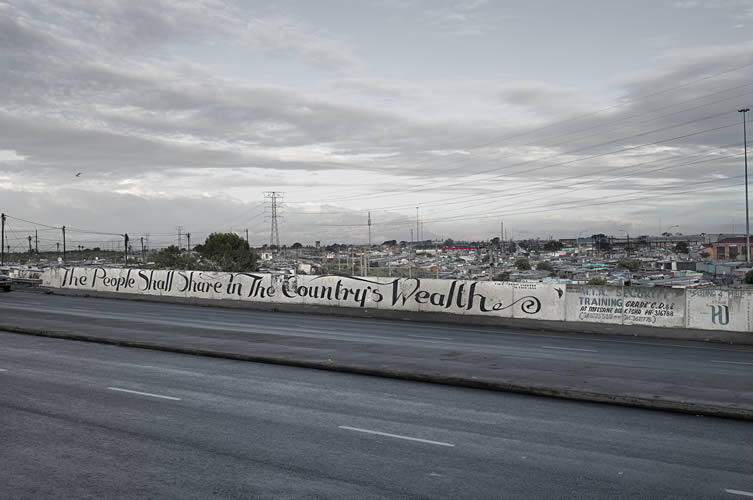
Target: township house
728,249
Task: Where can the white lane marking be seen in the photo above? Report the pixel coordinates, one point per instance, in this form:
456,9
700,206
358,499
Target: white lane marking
3,370
143,393
731,362
367,431
741,493
567,348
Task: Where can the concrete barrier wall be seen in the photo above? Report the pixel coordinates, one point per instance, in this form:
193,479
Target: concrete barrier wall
709,309
713,309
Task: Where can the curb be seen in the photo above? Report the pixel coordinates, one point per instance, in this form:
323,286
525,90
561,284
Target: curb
656,403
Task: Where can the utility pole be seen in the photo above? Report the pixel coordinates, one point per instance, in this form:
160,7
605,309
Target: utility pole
125,245
247,243
58,248
502,238
188,236
143,252
30,250
2,240
418,234
747,220
274,205
410,259
63,243
368,254
36,241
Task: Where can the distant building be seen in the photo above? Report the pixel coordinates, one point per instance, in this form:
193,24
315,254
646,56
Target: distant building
728,249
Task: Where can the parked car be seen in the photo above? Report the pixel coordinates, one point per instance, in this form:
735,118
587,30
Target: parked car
5,282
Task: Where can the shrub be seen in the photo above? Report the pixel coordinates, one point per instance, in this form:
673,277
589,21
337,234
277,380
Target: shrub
630,265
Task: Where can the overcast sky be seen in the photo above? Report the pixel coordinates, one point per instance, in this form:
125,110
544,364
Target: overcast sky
557,118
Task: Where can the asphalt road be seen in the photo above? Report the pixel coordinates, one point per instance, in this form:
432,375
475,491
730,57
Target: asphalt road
83,420
682,357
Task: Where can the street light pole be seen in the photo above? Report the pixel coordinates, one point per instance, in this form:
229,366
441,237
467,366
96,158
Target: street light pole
747,220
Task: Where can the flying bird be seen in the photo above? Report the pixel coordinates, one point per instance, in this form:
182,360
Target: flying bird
78,174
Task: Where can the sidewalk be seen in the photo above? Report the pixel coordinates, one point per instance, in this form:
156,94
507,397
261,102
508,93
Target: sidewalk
727,396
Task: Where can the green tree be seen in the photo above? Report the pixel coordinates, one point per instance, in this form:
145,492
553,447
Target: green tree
705,254
682,247
523,264
597,281
630,265
296,245
749,277
227,252
544,266
505,276
448,243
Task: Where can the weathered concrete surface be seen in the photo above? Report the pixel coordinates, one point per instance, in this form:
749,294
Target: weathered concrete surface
686,377
706,309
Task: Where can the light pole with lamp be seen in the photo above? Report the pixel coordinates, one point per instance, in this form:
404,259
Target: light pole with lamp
747,220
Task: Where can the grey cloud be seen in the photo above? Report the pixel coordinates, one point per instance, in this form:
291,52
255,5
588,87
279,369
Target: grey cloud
538,96
127,117
379,87
131,26
294,37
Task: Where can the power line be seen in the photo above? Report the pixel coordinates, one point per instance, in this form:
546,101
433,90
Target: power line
585,115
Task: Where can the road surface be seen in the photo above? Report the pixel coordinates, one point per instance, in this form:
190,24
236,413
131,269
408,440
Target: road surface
688,358
88,420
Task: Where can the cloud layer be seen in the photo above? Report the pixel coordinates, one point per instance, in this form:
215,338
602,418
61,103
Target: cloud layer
192,109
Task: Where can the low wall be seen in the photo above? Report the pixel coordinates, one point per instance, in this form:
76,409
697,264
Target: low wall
708,309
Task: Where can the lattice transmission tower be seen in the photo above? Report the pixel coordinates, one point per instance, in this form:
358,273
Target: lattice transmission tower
273,204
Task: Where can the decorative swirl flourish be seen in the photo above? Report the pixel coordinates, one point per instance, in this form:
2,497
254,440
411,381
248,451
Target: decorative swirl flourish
530,305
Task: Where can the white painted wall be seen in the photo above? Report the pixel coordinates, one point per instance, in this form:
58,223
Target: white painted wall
713,309
659,307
